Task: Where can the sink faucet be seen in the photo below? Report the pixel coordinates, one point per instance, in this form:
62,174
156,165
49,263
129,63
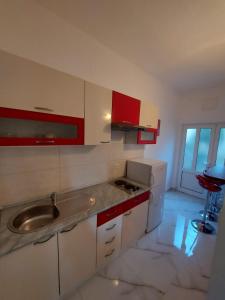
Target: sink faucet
53,197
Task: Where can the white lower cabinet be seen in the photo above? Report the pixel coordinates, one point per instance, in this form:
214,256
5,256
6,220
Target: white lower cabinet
109,240
30,272
134,224
77,254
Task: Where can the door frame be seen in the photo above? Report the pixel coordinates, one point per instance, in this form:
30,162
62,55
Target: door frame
211,154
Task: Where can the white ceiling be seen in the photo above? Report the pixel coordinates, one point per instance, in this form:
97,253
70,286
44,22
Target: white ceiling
180,41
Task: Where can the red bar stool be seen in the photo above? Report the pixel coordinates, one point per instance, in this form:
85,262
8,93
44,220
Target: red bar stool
202,225
214,207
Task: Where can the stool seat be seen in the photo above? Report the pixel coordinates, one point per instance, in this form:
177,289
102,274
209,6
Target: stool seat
207,184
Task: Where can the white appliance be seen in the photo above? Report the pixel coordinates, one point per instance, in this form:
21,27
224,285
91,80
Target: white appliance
152,173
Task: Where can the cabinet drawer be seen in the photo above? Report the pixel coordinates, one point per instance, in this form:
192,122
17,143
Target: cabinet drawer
109,240
119,209
105,255
109,214
109,229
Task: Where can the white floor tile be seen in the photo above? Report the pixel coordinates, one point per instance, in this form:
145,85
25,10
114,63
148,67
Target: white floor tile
171,262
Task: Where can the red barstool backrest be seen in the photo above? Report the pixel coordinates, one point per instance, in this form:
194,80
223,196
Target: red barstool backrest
206,184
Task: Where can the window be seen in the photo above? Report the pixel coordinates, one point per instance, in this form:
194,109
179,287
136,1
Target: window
189,148
203,149
220,159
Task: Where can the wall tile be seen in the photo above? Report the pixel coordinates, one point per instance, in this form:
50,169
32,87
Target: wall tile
78,176
20,187
26,159
84,154
28,173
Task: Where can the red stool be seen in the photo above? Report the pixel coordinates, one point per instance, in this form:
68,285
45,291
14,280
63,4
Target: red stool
213,208
202,225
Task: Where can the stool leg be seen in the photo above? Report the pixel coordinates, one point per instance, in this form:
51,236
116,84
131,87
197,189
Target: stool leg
202,225
209,195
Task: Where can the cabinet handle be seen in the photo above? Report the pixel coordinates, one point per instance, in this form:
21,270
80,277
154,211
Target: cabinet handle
148,125
128,214
45,142
105,142
69,228
110,241
43,108
44,240
110,228
111,253
127,122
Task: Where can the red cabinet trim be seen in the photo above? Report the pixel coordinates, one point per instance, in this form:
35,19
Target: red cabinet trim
140,141
30,115
121,208
125,109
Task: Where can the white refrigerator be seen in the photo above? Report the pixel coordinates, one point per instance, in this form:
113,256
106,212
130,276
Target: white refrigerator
152,173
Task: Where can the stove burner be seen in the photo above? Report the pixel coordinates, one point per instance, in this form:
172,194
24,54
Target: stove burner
127,186
131,187
120,182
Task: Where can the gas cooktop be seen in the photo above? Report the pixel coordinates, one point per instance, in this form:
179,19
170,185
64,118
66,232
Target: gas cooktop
126,186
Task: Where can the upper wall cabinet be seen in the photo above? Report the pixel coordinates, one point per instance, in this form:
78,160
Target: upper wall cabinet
125,109
27,85
98,107
148,115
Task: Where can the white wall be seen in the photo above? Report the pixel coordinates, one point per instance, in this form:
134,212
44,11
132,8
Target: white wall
203,106
32,32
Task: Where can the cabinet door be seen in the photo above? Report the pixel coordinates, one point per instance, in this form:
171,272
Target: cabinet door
149,115
20,127
98,107
30,86
77,254
125,109
134,224
30,272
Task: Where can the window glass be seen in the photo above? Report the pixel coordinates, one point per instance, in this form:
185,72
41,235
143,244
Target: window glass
220,159
189,148
203,149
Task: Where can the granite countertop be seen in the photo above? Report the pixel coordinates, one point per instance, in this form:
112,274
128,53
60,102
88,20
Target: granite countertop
74,207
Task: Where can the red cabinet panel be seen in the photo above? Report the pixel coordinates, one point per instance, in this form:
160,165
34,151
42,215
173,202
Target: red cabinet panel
125,109
121,208
149,136
26,128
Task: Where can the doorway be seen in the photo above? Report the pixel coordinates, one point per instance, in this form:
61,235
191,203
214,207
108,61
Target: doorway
203,145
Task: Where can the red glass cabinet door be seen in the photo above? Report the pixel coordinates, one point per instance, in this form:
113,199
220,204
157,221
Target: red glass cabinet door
27,128
149,136
125,109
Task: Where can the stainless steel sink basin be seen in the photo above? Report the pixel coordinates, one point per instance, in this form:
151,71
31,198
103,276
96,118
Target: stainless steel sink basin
33,218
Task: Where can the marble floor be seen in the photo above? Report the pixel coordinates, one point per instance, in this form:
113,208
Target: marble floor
172,262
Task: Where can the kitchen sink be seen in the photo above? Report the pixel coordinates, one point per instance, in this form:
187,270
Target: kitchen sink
33,218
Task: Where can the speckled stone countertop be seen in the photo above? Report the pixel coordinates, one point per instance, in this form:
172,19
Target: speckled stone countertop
74,207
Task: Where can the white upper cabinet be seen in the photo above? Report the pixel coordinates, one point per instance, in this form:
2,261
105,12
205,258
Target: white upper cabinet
77,254
98,108
31,272
149,115
30,86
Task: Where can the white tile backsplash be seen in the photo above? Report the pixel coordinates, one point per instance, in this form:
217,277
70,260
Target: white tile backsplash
28,173
26,159
20,187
